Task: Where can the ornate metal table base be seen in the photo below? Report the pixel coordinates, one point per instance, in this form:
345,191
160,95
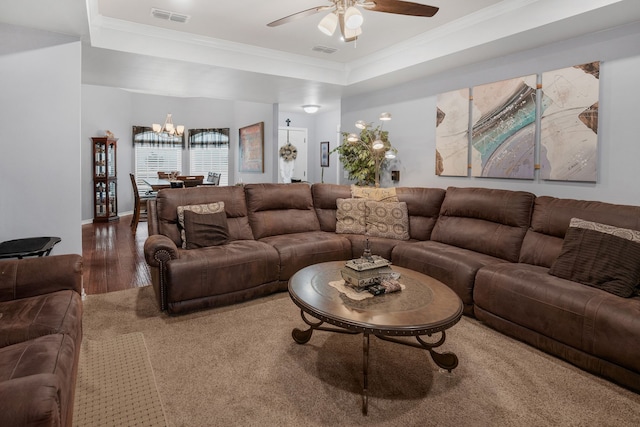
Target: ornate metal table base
446,360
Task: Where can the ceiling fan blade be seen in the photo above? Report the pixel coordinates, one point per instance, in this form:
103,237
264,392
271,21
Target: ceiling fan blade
402,8
298,15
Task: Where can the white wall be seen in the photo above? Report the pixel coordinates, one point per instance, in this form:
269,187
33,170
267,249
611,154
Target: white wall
327,129
40,181
413,106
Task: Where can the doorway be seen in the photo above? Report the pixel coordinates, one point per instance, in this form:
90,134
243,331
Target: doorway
293,170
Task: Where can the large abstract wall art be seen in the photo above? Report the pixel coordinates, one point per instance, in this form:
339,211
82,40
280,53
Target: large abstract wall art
452,133
503,133
569,123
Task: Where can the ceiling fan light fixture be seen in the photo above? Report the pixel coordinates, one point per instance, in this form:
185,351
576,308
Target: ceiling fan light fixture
328,24
350,34
310,109
353,18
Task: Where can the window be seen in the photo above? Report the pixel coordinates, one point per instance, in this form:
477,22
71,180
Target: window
155,152
209,152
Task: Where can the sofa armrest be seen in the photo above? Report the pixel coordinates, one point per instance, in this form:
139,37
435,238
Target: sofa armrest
32,400
159,249
22,278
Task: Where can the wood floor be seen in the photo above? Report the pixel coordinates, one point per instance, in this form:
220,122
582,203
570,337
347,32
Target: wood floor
113,256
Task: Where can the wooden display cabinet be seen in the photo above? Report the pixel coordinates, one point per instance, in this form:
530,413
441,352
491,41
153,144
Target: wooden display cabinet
105,180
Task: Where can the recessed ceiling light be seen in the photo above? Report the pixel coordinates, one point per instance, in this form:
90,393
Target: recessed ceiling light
310,109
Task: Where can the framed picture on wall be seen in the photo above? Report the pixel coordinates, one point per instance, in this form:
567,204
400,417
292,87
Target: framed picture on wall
324,154
251,147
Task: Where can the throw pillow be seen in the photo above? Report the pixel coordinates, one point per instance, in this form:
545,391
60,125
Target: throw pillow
350,216
600,255
372,193
202,230
201,209
385,219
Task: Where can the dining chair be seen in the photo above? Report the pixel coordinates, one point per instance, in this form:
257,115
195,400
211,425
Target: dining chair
213,178
140,200
191,180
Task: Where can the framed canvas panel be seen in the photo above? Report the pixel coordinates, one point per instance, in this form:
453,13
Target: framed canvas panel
324,154
452,133
569,123
251,147
504,128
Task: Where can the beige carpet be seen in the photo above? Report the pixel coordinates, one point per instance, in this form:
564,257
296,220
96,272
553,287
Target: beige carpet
116,385
239,366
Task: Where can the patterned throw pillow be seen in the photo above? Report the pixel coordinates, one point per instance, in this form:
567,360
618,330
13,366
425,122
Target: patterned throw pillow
385,219
350,216
207,208
600,255
373,193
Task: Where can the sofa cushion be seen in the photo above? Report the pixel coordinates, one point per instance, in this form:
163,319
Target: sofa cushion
582,317
325,198
204,208
202,230
453,266
276,209
373,193
44,367
492,222
600,255
300,250
424,208
28,318
350,216
220,270
550,221
168,200
387,219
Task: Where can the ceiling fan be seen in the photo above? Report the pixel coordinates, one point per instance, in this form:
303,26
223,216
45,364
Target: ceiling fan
346,14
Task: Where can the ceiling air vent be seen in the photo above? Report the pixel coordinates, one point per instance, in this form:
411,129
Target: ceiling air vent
324,49
169,16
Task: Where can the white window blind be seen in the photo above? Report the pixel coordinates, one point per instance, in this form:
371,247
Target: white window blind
210,159
209,152
150,160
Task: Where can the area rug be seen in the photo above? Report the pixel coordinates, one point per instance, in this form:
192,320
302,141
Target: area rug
239,366
116,385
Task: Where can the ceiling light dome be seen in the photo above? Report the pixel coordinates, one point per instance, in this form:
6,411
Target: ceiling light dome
353,18
310,109
328,24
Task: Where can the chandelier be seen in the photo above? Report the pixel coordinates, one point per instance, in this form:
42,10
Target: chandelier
168,127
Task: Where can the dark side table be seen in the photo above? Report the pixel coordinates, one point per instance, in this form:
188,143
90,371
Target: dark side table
32,246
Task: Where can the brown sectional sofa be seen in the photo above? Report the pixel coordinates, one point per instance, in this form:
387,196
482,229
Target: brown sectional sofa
40,338
494,248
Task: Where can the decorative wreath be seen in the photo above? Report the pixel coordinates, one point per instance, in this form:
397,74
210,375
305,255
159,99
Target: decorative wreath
288,152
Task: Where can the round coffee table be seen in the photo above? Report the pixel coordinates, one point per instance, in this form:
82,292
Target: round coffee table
426,306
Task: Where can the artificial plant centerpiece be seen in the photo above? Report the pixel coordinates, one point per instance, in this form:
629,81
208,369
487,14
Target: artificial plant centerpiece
364,155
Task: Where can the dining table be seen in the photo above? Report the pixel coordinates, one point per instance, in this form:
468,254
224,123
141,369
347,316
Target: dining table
160,183
157,183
